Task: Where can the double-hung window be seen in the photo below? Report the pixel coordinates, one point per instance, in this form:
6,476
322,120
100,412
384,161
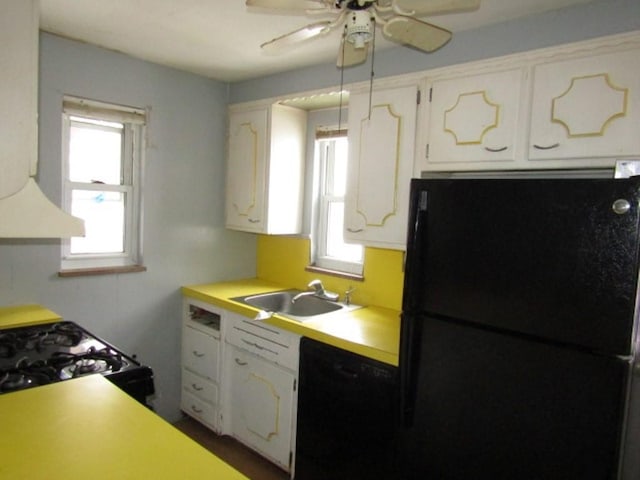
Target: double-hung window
331,251
102,168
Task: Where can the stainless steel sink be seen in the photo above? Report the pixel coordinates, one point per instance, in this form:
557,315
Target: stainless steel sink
303,309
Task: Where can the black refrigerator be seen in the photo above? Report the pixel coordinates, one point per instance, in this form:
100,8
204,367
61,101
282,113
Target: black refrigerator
518,335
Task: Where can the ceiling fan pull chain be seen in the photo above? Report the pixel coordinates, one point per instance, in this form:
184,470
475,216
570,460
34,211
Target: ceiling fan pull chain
344,40
373,57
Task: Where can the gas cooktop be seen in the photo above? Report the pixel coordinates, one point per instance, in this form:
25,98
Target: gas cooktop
36,355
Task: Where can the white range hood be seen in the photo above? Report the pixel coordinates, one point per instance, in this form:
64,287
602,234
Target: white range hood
24,210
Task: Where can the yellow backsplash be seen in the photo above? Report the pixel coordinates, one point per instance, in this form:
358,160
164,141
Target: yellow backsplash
283,259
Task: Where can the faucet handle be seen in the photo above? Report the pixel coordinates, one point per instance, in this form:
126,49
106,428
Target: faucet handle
347,295
316,285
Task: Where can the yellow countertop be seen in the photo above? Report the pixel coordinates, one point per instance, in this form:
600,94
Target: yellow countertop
371,331
88,428
26,315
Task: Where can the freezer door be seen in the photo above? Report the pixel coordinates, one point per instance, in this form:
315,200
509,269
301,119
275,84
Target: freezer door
556,259
495,406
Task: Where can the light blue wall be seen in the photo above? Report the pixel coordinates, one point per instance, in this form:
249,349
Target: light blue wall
596,19
184,237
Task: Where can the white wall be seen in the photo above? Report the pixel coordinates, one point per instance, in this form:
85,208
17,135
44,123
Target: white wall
184,237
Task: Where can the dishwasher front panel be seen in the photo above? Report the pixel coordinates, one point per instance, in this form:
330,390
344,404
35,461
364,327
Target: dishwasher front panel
347,408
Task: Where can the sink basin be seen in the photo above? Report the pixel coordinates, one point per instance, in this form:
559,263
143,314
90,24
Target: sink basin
304,308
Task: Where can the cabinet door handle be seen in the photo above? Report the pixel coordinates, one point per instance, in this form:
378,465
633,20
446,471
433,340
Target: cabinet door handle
196,409
355,230
254,220
198,354
547,147
240,362
495,150
196,387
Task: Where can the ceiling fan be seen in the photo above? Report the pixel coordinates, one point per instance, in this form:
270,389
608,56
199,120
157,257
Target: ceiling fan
397,19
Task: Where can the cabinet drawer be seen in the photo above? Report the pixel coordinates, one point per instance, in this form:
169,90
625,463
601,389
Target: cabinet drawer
199,409
266,341
200,387
200,353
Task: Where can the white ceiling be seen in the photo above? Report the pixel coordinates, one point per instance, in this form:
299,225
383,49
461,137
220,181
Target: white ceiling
221,38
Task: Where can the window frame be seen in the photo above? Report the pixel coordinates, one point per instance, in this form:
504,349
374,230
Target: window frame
324,150
133,150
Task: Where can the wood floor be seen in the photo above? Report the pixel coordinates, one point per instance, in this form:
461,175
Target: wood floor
231,451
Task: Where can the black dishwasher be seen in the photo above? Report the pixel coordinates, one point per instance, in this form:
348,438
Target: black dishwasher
346,415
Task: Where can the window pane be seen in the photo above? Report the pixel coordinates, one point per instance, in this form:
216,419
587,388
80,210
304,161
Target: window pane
337,179
336,247
103,213
95,152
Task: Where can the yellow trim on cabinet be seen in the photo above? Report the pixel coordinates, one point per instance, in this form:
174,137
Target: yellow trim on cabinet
607,122
486,100
394,209
254,134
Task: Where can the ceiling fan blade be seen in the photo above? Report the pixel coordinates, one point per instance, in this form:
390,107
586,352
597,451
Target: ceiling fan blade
297,36
416,33
302,5
348,55
435,7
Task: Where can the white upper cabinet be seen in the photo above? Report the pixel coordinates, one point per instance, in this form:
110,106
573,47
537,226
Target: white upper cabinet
381,154
566,107
474,119
265,165
586,107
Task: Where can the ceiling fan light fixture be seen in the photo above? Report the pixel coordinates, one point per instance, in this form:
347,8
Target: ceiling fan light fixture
359,39
358,28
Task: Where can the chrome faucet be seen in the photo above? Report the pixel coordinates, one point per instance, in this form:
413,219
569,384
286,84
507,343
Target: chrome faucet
318,291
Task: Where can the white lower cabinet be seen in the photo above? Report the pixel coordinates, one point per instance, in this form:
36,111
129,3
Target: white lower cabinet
239,378
201,357
260,387
261,408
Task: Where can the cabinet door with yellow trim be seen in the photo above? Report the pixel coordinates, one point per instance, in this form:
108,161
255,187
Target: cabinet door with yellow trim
262,411
381,153
586,108
246,165
473,121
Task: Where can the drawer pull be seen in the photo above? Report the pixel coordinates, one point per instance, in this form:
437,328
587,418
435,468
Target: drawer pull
198,354
495,150
254,220
355,230
259,347
196,387
196,409
240,362
547,147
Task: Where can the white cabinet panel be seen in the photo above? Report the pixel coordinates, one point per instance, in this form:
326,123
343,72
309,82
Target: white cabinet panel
200,386
262,407
201,358
265,166
246,169
381,153
586,107
199,409
200,353
263,340
474,119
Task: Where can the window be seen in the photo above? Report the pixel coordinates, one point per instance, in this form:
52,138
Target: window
102,163
331,251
